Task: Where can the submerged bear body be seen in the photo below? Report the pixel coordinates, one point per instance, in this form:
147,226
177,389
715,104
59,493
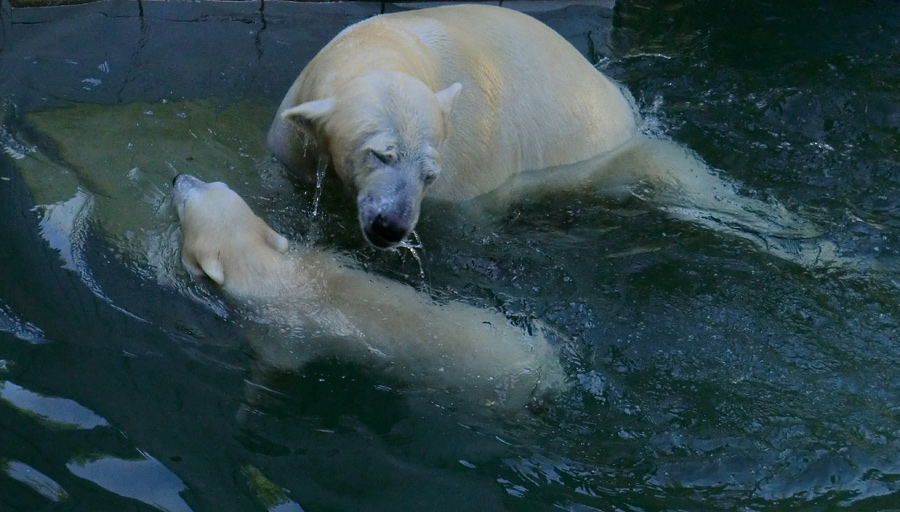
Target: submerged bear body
319,306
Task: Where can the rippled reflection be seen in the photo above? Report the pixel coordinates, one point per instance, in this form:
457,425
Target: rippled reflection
53,411
143,479
18,328
34,479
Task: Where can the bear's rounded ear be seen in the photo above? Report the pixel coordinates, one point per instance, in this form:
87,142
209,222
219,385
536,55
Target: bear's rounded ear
309,114
214,270
445,97
278,242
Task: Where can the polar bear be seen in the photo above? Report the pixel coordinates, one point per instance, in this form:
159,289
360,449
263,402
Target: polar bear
323,307
447,102
486,105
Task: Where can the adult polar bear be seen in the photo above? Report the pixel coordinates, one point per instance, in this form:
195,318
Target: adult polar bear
456,102
512,96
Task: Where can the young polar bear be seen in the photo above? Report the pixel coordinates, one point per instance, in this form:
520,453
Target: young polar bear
457,102
322,307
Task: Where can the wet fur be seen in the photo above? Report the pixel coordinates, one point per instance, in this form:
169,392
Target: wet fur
320,306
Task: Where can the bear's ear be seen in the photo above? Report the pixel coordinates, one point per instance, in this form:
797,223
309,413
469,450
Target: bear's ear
278,242
214,270
309,114
445,97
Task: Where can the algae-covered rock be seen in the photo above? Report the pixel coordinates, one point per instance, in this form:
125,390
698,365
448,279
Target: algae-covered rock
106,171
272,496
119,161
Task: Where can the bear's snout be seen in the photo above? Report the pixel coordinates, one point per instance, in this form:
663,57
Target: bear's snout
389,204
386,231
184,183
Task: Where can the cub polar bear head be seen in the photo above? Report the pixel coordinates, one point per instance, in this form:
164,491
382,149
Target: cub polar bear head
383,131
224,240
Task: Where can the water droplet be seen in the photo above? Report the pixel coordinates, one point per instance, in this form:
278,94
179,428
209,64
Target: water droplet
321,166
413,247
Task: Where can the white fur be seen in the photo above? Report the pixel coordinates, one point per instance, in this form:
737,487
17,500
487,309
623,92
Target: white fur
320,307
493,91
530,115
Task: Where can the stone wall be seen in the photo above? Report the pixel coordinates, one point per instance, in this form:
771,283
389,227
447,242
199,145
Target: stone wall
115,51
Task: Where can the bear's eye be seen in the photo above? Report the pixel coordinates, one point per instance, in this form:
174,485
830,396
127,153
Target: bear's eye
430,174
387,156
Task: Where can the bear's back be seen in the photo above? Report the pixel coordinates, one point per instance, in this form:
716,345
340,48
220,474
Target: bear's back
538,102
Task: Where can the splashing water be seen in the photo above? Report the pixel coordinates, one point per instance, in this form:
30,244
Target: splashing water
13,146
321,166
413,247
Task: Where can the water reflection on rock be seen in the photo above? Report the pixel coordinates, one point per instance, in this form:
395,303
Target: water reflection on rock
52,411
34,479
142,478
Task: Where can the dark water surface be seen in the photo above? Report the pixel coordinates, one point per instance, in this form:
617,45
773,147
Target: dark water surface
707,374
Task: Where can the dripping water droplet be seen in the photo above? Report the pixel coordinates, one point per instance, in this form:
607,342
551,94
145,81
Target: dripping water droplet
413,247
321,166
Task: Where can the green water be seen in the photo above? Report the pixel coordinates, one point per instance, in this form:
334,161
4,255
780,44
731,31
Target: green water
707,374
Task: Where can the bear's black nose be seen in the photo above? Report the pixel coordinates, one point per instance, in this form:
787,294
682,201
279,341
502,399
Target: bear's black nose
385,232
